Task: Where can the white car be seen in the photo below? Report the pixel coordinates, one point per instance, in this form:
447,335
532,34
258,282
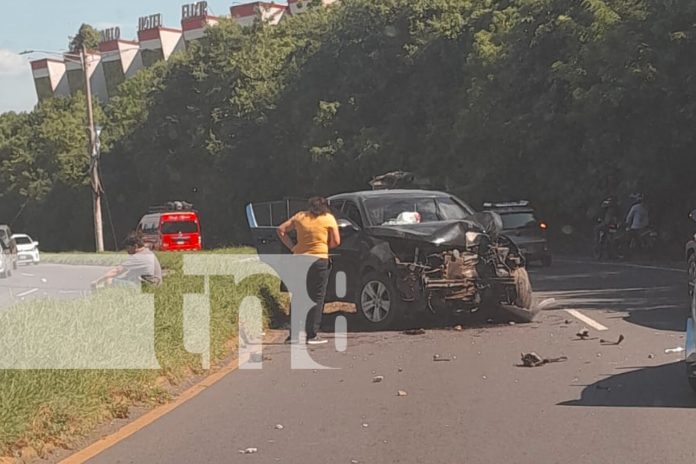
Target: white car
27,249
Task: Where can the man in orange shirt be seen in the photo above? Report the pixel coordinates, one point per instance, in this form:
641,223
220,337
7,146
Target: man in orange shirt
317,232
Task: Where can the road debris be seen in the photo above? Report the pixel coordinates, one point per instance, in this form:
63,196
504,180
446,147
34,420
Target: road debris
249,451
401,393
567,321
583,334
678,349
512,323
651,356
279,427
607,342
458,327
400,369
437,357
534,360
365,425
414,332
546,302
602,387
377,378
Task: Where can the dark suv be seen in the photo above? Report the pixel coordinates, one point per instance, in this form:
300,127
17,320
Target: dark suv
409,251
522,226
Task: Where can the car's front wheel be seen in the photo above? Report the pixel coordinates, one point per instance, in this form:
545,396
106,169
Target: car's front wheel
523,288
376,302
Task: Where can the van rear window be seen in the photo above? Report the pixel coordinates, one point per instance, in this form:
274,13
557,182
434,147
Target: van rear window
179,227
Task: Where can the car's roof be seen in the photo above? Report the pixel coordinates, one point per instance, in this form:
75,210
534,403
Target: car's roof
20,235
365,194
511,209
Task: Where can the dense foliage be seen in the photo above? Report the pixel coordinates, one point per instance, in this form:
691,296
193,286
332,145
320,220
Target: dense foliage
492,99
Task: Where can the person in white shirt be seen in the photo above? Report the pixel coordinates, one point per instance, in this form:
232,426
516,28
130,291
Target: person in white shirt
637,219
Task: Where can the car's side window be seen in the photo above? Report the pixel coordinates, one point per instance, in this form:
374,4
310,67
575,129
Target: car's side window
336,206
351,211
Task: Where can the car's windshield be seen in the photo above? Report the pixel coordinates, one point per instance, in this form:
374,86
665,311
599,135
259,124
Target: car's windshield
518,220
400,210
179,227
23,240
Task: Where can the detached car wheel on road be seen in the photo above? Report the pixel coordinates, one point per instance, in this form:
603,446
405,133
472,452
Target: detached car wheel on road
410,252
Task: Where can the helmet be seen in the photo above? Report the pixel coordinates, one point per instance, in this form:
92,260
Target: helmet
636,197
608,202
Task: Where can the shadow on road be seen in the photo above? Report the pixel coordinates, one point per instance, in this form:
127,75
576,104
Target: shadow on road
649,387
649,298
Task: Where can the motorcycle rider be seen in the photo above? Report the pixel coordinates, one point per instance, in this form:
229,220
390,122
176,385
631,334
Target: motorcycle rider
637,219
608,217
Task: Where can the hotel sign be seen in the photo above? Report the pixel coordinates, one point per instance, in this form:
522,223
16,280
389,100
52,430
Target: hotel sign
149,22
193,10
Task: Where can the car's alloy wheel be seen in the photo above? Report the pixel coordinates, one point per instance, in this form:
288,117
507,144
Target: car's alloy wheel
375,301
692,273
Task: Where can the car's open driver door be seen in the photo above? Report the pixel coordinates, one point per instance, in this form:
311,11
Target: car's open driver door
265,217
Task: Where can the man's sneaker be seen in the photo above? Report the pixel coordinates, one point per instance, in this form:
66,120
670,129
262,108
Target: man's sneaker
316,340
290,341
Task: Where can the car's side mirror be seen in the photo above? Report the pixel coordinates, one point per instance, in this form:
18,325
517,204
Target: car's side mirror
347,226
36,244
491,222
692,215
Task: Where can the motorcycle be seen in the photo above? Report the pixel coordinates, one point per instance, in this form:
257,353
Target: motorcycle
616,242
644,241
607,242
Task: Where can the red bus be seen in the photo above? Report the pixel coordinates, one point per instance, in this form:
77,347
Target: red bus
173,226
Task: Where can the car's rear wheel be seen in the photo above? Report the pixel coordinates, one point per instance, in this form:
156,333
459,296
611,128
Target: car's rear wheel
376,302
523,287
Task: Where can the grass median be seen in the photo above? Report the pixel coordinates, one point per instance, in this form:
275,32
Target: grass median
42,409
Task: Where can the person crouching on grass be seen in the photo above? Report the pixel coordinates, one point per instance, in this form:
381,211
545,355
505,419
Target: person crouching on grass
141,265
317,232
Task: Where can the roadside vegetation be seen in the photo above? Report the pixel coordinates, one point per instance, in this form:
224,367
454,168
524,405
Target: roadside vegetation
43,409
490,99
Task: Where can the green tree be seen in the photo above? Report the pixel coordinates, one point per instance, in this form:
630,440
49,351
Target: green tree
86,36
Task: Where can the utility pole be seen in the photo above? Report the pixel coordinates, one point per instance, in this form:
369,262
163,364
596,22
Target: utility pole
93,158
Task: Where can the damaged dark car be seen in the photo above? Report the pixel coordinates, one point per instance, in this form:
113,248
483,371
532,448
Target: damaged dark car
409,252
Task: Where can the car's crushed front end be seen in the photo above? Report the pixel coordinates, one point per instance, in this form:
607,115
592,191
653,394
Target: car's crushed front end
458,266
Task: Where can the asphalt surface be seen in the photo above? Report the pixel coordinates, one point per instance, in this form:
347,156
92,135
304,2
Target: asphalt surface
605,404
47,280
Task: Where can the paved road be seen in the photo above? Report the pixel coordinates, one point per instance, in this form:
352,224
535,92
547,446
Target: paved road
605,404
46,280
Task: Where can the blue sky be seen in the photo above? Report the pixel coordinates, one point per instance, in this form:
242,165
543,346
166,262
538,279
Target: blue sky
46,25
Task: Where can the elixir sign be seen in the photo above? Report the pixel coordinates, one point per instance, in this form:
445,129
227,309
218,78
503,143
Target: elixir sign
194,10
110,34
149,22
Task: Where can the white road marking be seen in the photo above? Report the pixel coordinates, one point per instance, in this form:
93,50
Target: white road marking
637,266
26,275
28,292
587,320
